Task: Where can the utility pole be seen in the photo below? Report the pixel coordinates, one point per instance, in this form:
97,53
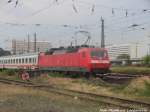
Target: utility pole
148,46
35,42
102,34
14,46
136,50
28,50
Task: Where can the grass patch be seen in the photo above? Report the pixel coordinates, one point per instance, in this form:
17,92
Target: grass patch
146,91
131,70
139,87
10,74
19,99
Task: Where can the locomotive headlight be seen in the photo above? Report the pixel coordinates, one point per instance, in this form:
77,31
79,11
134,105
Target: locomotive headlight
95,61
105,61
100,61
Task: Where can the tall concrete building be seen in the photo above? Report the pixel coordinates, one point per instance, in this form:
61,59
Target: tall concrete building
115,50
21,47
134,50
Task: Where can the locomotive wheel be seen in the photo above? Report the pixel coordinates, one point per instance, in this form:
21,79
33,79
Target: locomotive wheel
24,75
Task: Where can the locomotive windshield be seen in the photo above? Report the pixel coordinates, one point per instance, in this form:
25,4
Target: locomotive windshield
98,53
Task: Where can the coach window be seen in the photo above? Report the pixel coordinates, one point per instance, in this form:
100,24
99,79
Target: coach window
16,61
22,60
35,60
9,61
83,54
30,60
19,61
26,60
13,61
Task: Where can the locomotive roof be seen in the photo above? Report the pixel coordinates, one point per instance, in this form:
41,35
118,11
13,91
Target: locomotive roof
71,49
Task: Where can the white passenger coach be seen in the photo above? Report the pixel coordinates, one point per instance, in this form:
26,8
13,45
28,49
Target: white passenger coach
22,61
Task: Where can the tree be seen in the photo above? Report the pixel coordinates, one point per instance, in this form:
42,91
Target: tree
4,53
146,60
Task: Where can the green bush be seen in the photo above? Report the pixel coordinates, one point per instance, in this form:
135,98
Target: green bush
9,72
146,91
146,60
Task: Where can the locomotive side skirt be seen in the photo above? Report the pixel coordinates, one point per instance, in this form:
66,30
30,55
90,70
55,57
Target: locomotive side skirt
75,69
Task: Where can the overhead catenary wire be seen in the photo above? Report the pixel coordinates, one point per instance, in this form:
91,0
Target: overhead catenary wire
122,19
95,5
114,8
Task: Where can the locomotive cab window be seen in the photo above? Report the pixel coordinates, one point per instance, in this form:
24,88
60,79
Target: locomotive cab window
98,53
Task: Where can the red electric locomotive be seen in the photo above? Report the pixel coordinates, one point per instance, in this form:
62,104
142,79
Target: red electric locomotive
82,60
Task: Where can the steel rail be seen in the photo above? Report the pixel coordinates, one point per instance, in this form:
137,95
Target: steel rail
116,101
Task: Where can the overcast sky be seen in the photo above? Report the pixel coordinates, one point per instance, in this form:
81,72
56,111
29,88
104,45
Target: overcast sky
126,21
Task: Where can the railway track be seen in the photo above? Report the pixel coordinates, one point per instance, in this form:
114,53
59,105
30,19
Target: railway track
118,78
117,102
